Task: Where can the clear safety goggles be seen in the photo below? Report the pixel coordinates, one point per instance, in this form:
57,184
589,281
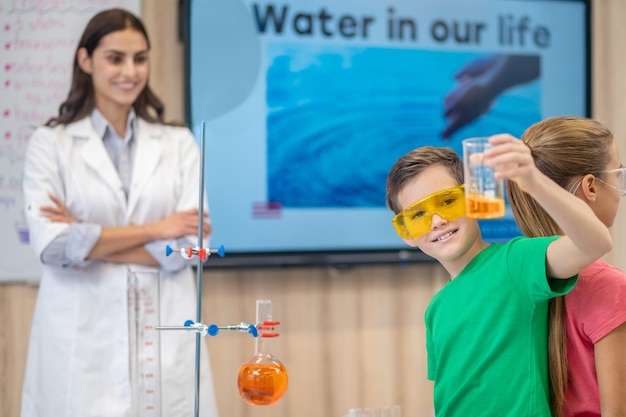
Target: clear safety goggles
620,173
416,220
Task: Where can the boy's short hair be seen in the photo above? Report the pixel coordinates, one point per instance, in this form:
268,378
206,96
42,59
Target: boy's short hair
416,161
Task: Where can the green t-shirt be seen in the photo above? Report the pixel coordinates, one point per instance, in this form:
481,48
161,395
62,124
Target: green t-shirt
487,333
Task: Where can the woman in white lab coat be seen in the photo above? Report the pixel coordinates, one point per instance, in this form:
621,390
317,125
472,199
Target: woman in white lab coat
107,185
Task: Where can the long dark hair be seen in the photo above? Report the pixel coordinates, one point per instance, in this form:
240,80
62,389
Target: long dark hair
80,100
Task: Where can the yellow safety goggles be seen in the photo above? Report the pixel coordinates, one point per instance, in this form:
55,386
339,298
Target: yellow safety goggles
416,220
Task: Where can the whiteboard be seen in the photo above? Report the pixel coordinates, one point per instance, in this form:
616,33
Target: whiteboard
37,43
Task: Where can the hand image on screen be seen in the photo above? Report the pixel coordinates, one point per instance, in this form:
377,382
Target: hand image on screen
480,82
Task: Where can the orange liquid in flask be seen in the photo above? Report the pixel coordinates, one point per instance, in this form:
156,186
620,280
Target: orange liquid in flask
479,207
262,383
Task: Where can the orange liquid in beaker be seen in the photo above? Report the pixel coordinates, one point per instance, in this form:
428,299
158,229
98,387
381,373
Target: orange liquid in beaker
262,384
479,207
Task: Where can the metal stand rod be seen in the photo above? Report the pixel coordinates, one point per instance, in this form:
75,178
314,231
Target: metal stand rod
241,327
177,328
199,274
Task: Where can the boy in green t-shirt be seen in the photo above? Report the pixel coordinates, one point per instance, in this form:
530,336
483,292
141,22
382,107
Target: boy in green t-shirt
486,330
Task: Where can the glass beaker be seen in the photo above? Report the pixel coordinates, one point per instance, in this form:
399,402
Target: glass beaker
484,193
262,380
145,342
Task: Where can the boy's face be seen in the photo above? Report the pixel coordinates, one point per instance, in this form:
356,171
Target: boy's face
446,240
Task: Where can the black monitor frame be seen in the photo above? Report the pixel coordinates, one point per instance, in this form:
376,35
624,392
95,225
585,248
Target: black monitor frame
334,258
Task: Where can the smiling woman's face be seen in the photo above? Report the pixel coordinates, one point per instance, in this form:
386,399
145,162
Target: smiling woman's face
119,69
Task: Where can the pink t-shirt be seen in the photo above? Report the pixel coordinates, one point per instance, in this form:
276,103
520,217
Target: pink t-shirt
595,307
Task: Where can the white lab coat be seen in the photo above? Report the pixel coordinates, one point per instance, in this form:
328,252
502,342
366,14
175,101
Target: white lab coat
78,356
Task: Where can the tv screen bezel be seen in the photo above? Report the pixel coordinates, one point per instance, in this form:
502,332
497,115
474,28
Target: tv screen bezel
330,257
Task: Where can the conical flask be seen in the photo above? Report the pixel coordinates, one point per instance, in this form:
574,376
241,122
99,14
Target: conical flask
262,380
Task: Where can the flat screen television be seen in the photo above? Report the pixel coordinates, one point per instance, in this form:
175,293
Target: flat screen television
306,104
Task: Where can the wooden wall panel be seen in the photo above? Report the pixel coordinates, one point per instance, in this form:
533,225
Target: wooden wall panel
166,54
609,95
17,305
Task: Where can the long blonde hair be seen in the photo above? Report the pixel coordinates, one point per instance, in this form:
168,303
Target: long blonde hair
564,149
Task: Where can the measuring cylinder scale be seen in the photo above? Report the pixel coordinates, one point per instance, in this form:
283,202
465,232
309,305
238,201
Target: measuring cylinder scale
262,380
144,341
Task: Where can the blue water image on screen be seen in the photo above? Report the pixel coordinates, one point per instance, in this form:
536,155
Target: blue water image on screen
339,117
